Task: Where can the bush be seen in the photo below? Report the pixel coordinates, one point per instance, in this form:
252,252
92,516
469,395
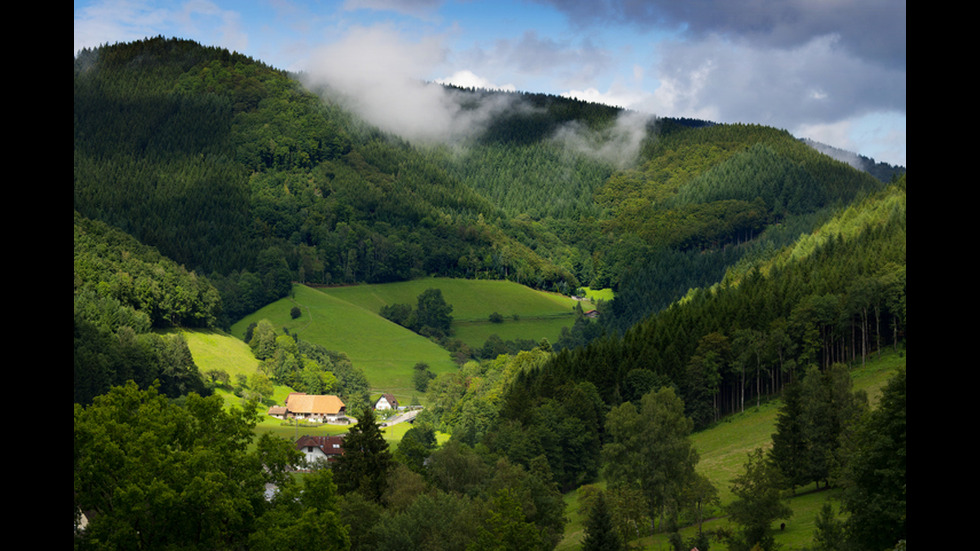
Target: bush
496,318
295,312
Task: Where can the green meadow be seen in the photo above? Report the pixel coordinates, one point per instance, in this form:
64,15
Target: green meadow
346,319
385,351
527,313
221,351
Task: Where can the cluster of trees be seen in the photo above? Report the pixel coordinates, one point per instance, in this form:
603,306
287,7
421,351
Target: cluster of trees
453,498
304,366
123,292
826,433
431,317
640,447
817,417
151,473
495,346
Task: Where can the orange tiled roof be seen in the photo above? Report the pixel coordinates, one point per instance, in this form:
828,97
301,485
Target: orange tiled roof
314,404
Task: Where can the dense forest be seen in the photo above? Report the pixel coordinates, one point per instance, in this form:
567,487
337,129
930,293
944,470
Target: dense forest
746,265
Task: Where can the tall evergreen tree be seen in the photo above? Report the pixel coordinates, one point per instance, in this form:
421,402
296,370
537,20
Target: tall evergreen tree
874,481
788,444
600,535
830,412
366,462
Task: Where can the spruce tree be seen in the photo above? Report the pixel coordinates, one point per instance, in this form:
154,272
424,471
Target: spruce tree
600,535
366,461
789,446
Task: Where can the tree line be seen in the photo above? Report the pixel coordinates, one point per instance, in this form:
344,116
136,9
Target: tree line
817,303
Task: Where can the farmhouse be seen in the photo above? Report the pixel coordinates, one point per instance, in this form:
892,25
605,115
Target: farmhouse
279,412
316,407
317,449
386,401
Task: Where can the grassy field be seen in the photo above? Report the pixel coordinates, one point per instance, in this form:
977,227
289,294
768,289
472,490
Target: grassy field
472,300
724,449
346,319
596,295
219,350
538,314
385,351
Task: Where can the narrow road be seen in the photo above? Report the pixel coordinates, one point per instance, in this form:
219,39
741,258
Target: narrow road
408,416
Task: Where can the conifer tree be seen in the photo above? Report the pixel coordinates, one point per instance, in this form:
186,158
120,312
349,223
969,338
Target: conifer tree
600,535
366,461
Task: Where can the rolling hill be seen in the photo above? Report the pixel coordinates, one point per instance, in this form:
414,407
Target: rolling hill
212,191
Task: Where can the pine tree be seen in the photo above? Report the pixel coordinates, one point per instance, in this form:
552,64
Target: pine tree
366,461
874,480
788,443
600,535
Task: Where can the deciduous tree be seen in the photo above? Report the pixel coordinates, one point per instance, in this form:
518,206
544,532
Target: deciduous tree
152,474
649,447
757,504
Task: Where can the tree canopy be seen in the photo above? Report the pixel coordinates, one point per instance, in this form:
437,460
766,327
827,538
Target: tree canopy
649,448
150,473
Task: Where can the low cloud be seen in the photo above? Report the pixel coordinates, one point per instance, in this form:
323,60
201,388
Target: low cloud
378,74
618,145
469,79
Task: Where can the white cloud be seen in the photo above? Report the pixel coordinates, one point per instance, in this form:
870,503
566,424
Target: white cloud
618,145
468,79
379,73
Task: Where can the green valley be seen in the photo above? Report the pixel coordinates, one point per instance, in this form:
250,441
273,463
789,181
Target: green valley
735,362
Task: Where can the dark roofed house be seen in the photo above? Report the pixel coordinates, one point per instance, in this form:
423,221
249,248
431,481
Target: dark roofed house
386,401
318,449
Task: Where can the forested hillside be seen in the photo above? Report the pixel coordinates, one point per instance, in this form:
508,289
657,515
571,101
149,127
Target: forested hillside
744,263
234,170
123,291
831,297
